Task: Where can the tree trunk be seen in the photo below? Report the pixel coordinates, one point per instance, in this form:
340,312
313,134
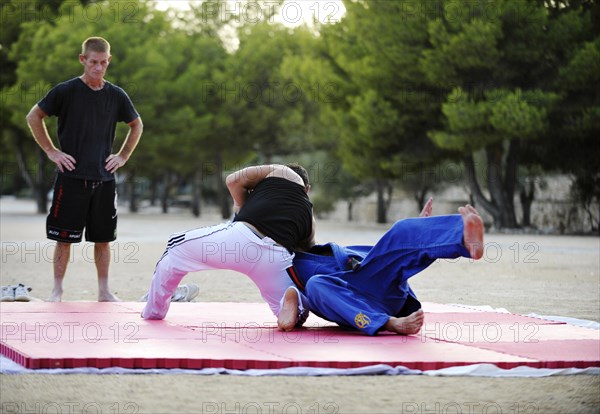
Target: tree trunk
153,191
527,195
381,210
476,191
592,220
494,180
21,163
226,203
196,192
37,182
388,201
31,179
420,197
510,178
164,199
133,201
225,200
350,205
498,187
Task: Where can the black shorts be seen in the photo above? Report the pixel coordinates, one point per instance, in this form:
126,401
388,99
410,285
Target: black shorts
411,305
79,204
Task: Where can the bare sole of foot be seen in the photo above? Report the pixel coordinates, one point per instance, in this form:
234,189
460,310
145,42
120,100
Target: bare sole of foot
286,321
473,231
407,325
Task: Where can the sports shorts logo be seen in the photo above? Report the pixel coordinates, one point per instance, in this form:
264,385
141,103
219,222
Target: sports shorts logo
361,320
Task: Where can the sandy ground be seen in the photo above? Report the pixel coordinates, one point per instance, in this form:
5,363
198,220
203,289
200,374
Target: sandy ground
549,275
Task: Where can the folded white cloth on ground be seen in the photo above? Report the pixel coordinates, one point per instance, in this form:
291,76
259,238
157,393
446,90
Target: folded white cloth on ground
477,370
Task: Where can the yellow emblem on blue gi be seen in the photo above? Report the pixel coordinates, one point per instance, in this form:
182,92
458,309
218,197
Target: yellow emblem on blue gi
361,320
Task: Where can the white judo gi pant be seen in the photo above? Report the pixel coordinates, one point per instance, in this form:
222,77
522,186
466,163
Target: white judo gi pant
231,246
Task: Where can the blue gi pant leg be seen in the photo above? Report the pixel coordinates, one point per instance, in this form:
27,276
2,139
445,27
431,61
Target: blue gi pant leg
367,297
335,299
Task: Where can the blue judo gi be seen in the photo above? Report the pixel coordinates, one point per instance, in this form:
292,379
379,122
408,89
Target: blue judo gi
362,286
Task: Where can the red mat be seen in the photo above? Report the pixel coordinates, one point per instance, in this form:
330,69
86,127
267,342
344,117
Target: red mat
244,336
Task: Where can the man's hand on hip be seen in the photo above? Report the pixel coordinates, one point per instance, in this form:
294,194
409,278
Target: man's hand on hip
62,160
114,162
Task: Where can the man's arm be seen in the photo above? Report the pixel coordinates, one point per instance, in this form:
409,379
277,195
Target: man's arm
35,120
116,161
244,180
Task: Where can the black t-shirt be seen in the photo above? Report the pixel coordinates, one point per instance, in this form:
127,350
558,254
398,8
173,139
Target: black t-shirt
280,209
87,122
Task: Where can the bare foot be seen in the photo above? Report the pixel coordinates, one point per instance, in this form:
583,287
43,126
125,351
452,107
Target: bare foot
473,231
286,321
407,325
55,296
427,208
107,297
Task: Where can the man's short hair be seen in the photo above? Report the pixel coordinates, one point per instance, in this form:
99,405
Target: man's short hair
95,44
300,170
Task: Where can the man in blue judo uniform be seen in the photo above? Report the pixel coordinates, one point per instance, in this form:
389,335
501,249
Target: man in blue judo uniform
366,287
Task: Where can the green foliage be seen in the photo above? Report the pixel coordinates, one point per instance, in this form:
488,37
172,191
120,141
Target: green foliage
375,122
471,48
583,70
515,117
395,88
272,109
382,108
464,115
503,63
504,114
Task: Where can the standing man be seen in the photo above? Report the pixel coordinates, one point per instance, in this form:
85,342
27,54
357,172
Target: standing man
88,108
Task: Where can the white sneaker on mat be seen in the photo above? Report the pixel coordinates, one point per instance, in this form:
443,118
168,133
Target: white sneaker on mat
22,293
8,294
185,293
192,292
